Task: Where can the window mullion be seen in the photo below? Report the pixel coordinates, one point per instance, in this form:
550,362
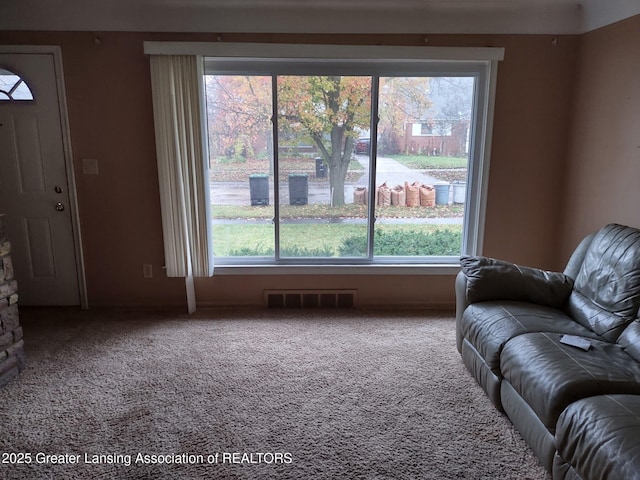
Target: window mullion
373,148
276,168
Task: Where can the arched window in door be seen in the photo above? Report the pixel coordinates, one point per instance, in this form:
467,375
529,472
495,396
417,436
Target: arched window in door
13,87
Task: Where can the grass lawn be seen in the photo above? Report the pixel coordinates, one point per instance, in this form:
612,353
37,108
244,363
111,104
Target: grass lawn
307,237
229,237
425,162
235,237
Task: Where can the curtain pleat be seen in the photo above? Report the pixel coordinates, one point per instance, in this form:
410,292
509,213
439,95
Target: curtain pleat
182,170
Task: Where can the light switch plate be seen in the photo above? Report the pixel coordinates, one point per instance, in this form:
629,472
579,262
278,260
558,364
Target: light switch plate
147,270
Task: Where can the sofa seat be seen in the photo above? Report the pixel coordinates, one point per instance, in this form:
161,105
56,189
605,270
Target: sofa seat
549,375
597,437
488,326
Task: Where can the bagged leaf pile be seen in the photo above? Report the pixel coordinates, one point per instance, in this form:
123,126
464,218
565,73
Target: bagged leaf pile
427,196
360,196
398,196
384,196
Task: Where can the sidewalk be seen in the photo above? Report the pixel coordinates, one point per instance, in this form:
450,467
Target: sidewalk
392,172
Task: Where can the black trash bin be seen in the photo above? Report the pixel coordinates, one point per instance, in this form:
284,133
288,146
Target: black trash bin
321,170
298,189
259,188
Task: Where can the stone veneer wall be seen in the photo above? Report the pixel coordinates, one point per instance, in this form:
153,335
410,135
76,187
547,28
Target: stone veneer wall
11,342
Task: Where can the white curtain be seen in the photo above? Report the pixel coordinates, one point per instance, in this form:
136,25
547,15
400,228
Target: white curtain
176,82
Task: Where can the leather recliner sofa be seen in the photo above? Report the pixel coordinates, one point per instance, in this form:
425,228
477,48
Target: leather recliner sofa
577,408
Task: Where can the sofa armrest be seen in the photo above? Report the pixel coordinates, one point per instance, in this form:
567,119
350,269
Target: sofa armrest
492,279
461,305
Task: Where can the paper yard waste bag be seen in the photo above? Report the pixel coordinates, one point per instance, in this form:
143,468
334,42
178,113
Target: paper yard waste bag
427,196
384,195
412,194
398,196
360,196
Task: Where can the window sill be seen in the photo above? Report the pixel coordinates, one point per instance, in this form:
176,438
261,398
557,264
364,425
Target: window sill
378,269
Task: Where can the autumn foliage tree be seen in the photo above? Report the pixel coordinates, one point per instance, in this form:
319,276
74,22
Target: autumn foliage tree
330,109
239,114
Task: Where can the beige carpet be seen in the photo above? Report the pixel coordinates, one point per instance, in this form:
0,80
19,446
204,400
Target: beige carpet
251,395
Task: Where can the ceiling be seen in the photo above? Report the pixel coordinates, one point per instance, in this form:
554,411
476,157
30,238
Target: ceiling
317,16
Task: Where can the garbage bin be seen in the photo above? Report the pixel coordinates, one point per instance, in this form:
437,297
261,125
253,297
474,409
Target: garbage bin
459,191
321,170
259,188
442,192
298,189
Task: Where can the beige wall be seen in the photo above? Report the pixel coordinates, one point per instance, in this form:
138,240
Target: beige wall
110,114
603,168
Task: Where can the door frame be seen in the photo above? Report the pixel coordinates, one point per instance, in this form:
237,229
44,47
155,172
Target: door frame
56,52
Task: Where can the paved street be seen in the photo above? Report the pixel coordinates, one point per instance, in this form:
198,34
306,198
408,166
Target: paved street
388,170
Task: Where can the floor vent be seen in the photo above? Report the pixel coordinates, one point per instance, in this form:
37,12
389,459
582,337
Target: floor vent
310,298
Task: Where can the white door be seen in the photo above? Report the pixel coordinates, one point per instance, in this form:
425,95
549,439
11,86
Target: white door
34,191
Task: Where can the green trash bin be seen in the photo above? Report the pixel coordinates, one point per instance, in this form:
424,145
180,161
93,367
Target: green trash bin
298,189
321,171
259,189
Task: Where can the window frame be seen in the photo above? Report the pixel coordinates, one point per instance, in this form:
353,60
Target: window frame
281,59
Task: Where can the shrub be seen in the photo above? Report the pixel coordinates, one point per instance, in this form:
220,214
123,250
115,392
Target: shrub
353,246
439,242
405,243
261,251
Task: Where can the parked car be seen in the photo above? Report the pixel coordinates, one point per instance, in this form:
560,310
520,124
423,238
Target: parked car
362,146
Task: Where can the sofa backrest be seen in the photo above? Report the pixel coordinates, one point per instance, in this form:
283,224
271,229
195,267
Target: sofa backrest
577,257
606,292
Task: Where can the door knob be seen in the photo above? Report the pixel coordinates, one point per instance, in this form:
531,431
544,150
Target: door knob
59,207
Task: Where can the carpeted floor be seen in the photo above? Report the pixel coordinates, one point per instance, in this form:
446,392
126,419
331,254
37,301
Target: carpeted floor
251,395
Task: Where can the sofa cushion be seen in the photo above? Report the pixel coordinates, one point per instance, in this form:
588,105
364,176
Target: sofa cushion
549,375
598,436
584,311
606,292
492,279
489,325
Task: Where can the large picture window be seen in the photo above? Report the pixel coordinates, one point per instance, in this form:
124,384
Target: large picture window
323,155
